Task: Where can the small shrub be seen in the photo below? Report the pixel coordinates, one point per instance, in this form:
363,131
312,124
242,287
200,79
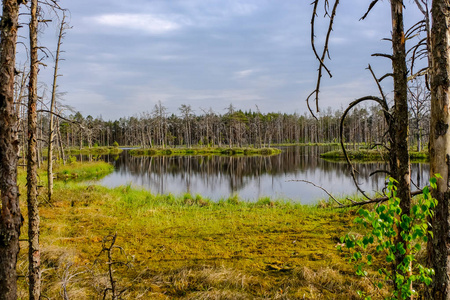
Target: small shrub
385,225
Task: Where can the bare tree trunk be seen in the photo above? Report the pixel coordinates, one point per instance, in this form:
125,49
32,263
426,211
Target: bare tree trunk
34,260
400,160
10,218
52,105
438,245
61,146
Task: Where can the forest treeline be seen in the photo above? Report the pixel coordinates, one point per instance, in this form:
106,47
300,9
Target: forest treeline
159,128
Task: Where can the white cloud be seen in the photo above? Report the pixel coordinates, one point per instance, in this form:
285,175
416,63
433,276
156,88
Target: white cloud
148,23
244,73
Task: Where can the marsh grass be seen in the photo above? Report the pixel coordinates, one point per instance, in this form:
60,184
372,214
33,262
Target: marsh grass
188,247
99,150
370,155
82,171
206,151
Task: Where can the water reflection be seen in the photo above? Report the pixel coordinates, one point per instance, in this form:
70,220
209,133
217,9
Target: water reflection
250,177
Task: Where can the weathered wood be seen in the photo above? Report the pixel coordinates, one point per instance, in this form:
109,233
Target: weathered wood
34,260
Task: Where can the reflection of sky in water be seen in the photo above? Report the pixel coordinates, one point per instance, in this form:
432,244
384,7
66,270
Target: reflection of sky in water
273,181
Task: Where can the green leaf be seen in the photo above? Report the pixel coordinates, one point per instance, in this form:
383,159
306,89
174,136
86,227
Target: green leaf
390,258
415,209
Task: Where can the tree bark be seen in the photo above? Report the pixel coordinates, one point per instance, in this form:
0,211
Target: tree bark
10,219
400,167
34,260
438,245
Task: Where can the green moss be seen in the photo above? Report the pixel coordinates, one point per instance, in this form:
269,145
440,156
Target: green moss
188,246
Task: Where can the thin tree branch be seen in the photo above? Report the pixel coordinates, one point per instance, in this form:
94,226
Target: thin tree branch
317,186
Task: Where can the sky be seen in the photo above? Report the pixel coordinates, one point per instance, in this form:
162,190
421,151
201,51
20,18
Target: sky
122,57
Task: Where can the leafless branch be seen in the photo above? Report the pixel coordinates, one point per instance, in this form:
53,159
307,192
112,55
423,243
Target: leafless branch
318,186
385,76
383,55
377,200
325,51
372,4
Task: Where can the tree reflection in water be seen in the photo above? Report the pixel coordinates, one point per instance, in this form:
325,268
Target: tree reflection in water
250,177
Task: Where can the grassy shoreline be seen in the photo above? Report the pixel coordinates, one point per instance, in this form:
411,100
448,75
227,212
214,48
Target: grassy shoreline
188,247
83,171
102,150
370,155
205,151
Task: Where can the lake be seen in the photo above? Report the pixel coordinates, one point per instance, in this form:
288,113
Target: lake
253,177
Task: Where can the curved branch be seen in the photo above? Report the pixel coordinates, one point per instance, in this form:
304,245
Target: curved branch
61,117
416,27
372,4
317,186
313,45
380,171
380,89
385,76
421,72
341,134
325,47
383,55
382,145
309,107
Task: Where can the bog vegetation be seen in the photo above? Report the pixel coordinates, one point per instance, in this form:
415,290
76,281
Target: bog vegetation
96,242
187,246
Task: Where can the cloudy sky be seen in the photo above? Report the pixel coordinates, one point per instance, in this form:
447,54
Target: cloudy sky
122,57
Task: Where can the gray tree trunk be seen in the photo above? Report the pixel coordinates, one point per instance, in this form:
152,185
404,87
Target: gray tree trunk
34,260
52,106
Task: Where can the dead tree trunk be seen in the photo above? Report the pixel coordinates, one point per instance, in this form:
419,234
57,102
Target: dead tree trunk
400,168
34,260
10,218
52,106
438,245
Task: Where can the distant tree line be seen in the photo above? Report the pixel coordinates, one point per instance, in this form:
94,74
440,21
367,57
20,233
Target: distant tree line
235,127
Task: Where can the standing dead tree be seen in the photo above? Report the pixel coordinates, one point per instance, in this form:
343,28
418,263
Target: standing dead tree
52,108
34,256
10,218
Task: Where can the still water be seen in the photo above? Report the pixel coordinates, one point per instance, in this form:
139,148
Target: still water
217,177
